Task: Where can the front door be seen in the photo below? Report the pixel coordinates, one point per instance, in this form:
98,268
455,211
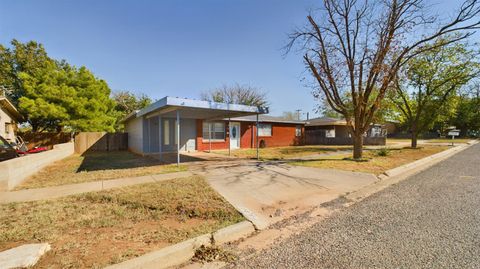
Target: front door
234,135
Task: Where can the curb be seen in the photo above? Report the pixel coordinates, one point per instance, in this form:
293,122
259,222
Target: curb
403,172
182,252
233,232
424,161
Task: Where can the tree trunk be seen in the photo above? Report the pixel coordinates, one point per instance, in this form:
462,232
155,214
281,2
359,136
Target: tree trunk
414,139
414,136
357,146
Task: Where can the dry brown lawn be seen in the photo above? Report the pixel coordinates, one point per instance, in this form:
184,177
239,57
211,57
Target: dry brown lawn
95,229
278,153
373,162
97,166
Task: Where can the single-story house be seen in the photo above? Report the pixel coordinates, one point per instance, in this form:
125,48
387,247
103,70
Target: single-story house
177,124
9,118
330,131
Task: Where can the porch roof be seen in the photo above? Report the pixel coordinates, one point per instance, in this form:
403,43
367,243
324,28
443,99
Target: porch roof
195,109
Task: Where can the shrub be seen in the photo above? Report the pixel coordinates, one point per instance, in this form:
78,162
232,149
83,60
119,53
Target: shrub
383,152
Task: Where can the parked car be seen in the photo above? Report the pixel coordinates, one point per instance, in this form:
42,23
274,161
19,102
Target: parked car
21,147
7,152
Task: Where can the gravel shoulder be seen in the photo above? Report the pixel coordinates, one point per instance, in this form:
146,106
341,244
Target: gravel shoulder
430,220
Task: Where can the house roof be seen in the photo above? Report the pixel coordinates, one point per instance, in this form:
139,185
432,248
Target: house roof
267,118
195,109
10,109
323,121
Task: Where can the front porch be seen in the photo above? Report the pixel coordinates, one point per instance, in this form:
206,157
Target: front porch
177,126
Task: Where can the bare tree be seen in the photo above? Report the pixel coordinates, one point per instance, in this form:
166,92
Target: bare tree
237,94
355,48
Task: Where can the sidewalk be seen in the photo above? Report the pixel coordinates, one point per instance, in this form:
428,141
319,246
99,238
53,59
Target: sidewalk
65,190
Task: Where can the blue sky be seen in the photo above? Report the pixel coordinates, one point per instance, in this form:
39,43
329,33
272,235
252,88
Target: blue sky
172,47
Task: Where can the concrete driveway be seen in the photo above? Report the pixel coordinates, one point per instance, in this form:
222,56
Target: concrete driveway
267,192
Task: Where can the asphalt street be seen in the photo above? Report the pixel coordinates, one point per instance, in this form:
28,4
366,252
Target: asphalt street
431,220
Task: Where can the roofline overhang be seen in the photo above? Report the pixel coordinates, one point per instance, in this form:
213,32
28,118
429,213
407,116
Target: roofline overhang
271,121
168,104
11,109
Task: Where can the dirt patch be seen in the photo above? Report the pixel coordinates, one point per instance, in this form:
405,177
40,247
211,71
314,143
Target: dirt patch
97,166
96,229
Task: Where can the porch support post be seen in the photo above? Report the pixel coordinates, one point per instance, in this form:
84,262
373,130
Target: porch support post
178,137
229,135
160,141
258,141
209,137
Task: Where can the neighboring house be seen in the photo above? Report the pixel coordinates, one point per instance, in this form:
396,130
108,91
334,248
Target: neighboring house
206,125
9,118
333,131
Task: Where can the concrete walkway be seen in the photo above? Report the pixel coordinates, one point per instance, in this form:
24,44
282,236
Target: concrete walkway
267,192
65,190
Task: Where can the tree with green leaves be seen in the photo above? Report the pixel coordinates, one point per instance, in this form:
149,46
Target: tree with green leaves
427,86
467,115
126,102
29,57
60,96
237,94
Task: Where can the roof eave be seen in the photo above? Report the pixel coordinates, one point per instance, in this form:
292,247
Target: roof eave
11,109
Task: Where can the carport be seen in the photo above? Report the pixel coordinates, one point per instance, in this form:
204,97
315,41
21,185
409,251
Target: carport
170,124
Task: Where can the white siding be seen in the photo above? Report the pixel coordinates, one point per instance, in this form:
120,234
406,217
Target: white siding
5,118
134,128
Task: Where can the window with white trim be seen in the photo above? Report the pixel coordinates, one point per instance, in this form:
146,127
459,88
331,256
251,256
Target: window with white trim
264,129
298,130
215,129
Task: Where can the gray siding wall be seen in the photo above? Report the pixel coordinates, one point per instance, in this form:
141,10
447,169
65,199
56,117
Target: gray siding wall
188,134
134,128
154,135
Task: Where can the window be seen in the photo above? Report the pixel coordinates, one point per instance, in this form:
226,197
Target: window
298,130
166,132
216,129
330,133
264,129
7,127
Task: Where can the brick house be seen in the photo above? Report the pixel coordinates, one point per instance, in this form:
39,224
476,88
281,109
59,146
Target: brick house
272,132
184,125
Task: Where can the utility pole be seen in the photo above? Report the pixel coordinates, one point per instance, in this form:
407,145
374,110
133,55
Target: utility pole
298,113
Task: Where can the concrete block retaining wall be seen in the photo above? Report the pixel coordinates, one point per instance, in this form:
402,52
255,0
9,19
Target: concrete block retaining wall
15,171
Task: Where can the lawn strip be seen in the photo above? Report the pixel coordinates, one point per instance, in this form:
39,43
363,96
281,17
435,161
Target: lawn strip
95,229
373,162
97,166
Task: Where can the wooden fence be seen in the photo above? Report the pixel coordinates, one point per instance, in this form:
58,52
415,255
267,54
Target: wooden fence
317,137
100,141
44,139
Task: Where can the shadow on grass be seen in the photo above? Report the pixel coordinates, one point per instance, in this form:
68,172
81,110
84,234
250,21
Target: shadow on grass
113,160
109,160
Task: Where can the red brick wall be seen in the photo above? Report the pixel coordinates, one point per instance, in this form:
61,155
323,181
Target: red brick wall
282,135
205,145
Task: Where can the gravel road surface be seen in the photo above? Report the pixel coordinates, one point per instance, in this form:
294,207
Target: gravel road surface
431,220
